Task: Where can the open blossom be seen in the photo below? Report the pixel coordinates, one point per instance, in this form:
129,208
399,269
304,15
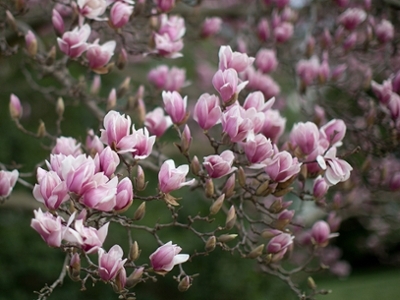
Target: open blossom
167,79
210,26
257,100
67,146
321,233
282,166
261,82
143,143
257,148
307,70
336,169
233,60
77,172
98,56
166,257
335,131
283,32
100,192
92,9
49,227
384,31
305,136
120,13
218,166
50,190
171,178
73,43
175,106
156,122
266,60
352,17
236,124
7,182
274,125
91,238
279,245
168,39
207,111
111,262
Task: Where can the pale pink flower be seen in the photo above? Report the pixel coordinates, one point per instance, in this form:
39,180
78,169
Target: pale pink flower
49,227
171,178
143,143
100,192
210,26
218,166
50,190
263,30
236,124
98,56
92,9
282,166
335,131
156,122
73,43
91,238
15,107
382,91
283,32
167,79
257,148
307,70
120,13
124,195
166,257
320,187
116,128
93,143
321,233
58,22
336,169
207,111
279,245
67,146
110,263
352,17
266,60
109,161
305,136
165,5
257,100
164,46
226,82
77,172
261,82
173,26
233,60
7,182
274,125
175,106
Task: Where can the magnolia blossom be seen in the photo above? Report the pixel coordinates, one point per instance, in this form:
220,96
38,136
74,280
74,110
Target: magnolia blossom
175,106
257,148
168,38
282,166
274,125
167,79
108,161
236,124
77,172
165,5
266,60
210,26
261,82
7,182
92,9
336,169
352,17
166,257
67,146
320,187
58,21
257,100
120,13
233,60
307,70
98,56
279,245
124,195
143,143
100,192
283,32
164,46
91,238
171,178
110,263
321,233
219,165
305,136
335,131
226,82
207,111
156,122
384,31
49,227
15,107
73,43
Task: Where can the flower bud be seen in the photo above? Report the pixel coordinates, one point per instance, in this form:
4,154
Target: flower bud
195,166
74,268
60,107
276,206
140,212
216,206
122,59
15,107
311,283
186,140
263,189
134,251
225,238
11,20
31,43
242,177
270,233
209,187
41,132
120,281
51,56
211,243
96,84
124,87
256,252
229,188
134,278
230,218
112,99
184,284
140,181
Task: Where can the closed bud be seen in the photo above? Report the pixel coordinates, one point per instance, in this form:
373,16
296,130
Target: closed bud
225,238
96,84
283,192
31,43
41,132
280,224
134,278
216,206
140,181
263,189
11,21
122,59
195,166
256,252
120,281
268,258
140,212
15,107
210,244
229,188
134,251
270,233
209,187
230,218
112,100
186,140
141,109
60,107
184,284
124,87
242,177
311,283
276,207
51,56
74,267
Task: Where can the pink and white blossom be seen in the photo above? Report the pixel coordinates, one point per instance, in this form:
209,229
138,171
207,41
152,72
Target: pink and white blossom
124,196
157,122
229,59
210,26
91,238
120,13
171,178
7,182
49,227
279,245
111,262
336,169
207,111
99,55
166,257
73,43
282,166
67,146
218,166
100,192
175,106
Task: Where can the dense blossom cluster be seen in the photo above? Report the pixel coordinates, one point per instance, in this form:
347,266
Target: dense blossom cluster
233,138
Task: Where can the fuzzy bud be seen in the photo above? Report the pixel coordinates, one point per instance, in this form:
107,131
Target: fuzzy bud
60,107
242,177
74,268
112,99
216,206
184,284
140,212
211,243
140,180
311,283
41,132
256,252
263,189
15,107
230,218
229,188
124,87
225,238
195,166
134,278
31,43
134,251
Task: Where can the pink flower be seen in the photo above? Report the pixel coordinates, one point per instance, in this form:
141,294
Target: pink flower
261,82
320,187
51,190
92,9
93,143
120,13
171,178
236,124
283,32
98,56
335,131
282,166
100,192
218,166
166,257
143,143
279,245
382,91
175,106
49,227
77,172
92,238
124,195
336,169
257,100
116,128
109,161
321,233
110,263
263,30
167,79
266,60
274,125
15,107
352,17
305,136
7,182
156,122
210,26
257,148
233,60
73,43
67,146
58,22
307,70
165,5
207,111
164,46
173,26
